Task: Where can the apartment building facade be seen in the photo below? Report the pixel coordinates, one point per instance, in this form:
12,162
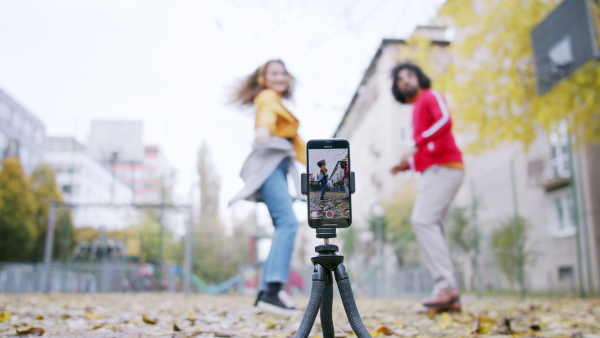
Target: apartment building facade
21,133
507,182
97,197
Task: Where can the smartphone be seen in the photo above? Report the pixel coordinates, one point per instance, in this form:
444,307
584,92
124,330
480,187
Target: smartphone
328,172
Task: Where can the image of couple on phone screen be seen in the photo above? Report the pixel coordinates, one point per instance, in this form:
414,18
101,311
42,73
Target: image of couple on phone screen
329,184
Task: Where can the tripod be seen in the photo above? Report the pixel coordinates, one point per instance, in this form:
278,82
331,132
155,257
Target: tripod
328,263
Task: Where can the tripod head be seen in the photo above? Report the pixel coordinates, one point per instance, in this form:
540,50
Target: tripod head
326,234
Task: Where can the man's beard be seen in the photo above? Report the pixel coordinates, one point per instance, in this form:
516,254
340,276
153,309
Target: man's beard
410,92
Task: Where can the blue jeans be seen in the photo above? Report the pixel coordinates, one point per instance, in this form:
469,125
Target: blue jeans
323,187
279,202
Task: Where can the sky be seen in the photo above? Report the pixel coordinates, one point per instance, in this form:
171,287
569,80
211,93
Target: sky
173,63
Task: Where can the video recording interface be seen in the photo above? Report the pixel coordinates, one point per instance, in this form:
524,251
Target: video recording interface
328,185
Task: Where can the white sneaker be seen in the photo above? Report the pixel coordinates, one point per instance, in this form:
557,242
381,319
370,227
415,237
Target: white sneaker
281,304
286,299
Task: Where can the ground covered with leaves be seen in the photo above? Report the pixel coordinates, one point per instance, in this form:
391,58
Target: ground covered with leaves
175,315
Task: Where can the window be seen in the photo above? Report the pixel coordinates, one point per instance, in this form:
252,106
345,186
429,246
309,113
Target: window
4,111
3,143
561,212
565,273
564,209
28,129
559,154
17,121
66,189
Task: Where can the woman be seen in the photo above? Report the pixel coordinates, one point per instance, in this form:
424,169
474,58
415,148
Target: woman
322,177
276,145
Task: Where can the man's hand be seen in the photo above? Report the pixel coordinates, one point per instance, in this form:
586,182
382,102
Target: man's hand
399,167
403,165
262,135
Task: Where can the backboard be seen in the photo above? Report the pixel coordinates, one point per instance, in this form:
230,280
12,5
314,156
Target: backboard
563,42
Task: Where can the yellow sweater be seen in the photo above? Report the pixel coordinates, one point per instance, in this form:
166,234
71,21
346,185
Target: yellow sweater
272,114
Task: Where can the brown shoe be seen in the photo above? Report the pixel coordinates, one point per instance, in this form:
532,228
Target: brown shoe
443,299
452,307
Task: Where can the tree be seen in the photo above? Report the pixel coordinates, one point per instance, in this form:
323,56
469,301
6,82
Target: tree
212,253
506,249
149,234
493,87
17,229
43,186
461,236
397,225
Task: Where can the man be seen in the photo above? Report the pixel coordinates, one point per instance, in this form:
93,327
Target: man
437,157
346,178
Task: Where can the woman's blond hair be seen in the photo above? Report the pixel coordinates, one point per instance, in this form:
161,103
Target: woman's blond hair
254,83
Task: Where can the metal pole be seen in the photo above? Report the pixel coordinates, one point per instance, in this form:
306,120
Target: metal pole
161,234
48,248
476,239
187,265
576,217
518,231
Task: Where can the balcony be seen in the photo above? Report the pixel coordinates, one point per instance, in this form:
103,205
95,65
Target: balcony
549,173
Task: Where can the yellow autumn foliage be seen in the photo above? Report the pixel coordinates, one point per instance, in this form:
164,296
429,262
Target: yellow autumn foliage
491,80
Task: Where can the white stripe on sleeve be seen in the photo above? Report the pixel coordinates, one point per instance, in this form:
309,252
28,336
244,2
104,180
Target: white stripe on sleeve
439,123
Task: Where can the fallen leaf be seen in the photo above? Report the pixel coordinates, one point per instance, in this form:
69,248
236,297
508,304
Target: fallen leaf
35,331
386,331
480,327
535,327
486,319
96,327
4,316
504,326
176,328
65,316
90,315
39,317
149,321
446,320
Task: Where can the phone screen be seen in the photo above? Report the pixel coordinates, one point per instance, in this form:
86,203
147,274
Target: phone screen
328,168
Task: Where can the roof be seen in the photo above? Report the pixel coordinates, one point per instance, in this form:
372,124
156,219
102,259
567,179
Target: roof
371,69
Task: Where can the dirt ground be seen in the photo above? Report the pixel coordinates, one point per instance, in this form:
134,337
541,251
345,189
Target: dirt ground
175,315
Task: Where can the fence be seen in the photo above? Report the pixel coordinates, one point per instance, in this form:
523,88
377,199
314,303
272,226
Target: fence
94,277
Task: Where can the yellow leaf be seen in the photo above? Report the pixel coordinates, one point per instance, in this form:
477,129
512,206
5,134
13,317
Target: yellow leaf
4,316
431,314
385,330
148,320
32,331
90,315
486,319
446,319
96,327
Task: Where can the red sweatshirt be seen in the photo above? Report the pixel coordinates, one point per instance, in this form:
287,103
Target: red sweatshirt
432,132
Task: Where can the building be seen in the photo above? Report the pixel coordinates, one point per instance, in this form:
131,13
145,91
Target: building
118,145
98,198
21,133
379,129
506,182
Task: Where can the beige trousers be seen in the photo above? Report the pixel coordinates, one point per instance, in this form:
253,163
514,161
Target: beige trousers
437,189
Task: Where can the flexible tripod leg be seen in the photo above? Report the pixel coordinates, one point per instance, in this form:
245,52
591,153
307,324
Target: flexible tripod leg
314,302
326,308
343,282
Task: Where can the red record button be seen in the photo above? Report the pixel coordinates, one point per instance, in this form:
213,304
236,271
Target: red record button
329,213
